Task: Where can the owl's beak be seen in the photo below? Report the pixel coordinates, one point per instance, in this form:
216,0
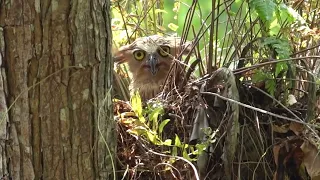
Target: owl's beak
152,62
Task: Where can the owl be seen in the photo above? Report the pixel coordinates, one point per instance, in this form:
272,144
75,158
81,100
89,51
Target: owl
149,60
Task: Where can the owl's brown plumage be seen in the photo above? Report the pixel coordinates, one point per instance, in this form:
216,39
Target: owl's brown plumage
149,60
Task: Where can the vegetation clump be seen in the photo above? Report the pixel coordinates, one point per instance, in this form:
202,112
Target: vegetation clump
248,104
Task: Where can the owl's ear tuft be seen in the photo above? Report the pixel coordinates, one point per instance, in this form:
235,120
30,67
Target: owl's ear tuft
120,55
186,47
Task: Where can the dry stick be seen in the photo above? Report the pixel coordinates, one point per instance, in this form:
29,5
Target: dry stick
314,16
302,51
211,26
226,38
180,158
216,40
244,52
197,39
209,63
232,28
138,23
197,53
258,109
244,38
187,25
292,79
124,22
171,166
283,106
190,70
201,34
271,61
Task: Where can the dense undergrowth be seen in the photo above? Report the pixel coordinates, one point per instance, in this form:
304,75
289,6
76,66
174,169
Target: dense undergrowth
250,108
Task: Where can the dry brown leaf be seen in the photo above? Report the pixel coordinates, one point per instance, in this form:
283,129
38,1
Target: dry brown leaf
311,159
280,128
276,149
297,128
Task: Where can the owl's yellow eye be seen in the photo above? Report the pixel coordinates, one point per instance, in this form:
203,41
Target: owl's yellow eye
139,54
164,51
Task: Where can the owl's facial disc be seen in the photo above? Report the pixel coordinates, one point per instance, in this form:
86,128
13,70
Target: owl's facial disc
152,62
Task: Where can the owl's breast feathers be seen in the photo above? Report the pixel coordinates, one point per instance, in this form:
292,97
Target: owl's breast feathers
147,90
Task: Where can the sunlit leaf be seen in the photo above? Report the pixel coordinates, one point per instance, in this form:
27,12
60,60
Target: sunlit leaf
173,27
153,116
139,130
153,138
287,13
161,28
186,156
132,131
176,6
274,28
167,142
136,104
177,141
155,113
201,148
295,15
163,124
207,131
160,11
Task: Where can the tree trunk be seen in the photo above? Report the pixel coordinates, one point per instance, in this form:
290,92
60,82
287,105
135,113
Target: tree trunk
55,98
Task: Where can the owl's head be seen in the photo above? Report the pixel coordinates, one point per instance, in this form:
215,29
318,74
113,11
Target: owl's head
150,58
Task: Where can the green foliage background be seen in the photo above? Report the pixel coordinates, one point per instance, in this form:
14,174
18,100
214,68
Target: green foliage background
223,31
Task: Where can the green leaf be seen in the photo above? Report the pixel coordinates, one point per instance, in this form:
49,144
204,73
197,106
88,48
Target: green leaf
274,28
280,66
292,13
259,76
153,138
281,46
153,116
136,104
173,27
264,8
160,11
201,147
271,86
174,151
231,13
139,130
186,155
163,124
177,141
286,13
155,113
167,142
207,131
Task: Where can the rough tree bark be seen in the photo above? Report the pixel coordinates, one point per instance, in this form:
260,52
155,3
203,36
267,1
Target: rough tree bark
55,81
